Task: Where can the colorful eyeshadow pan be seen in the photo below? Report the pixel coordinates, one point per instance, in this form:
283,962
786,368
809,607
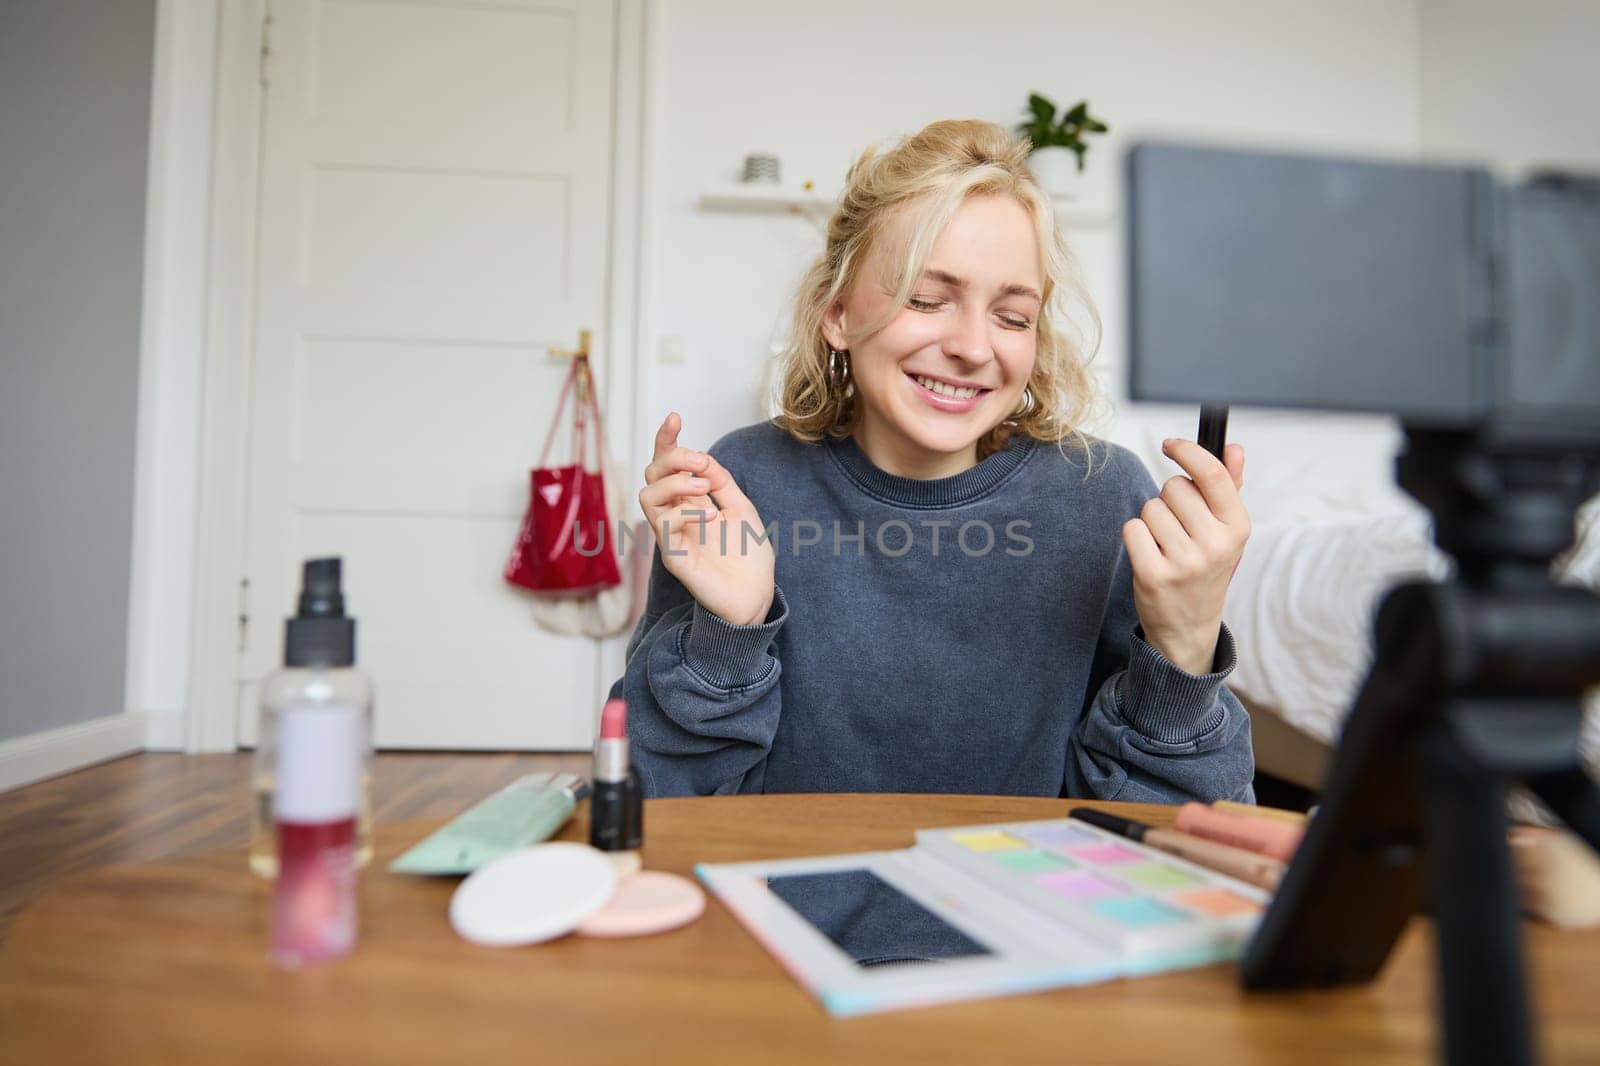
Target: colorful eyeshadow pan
1158,876
1080,885
1138,912
993,840
1031,862
1216,902
1062,835
1107,854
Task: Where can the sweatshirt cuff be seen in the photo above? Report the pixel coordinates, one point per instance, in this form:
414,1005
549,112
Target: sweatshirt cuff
1168,704
731,656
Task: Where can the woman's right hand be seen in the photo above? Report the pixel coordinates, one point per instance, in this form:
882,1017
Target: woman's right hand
711,538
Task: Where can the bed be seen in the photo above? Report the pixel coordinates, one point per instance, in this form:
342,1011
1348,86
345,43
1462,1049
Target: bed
1331,533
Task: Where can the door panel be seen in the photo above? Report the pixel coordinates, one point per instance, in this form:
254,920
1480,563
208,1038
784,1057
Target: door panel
433,219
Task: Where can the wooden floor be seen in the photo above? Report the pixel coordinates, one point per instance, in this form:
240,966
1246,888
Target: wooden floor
151,806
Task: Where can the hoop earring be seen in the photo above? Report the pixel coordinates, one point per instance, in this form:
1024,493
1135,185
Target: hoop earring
1027,405
838,365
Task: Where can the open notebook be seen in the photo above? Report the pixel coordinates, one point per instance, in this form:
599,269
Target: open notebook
985,911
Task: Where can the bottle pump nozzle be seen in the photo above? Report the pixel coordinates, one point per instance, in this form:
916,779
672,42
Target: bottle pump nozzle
320,634
320,594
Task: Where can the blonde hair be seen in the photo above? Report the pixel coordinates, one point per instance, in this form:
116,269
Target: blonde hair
940,166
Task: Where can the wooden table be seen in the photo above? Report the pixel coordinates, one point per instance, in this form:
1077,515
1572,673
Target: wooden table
167,963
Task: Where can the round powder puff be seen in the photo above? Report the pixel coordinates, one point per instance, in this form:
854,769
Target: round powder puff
532,894
648,902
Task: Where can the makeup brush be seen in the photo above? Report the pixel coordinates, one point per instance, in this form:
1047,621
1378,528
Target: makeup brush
1259,870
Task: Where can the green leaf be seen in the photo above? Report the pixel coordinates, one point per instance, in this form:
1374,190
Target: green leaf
1047,130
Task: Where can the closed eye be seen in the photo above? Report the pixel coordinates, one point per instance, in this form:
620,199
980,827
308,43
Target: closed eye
926,306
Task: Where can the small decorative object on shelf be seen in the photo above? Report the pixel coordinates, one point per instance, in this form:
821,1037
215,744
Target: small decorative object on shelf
1059,146
762,167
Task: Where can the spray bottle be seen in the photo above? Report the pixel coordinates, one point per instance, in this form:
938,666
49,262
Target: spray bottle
319,673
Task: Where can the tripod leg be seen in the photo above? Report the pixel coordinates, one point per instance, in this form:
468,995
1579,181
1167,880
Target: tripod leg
1574,798
1480,970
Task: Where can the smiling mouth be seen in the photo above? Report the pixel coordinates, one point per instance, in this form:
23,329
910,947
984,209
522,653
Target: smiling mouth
949,392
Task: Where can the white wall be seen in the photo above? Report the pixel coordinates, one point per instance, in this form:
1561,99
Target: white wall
740,77
1515,85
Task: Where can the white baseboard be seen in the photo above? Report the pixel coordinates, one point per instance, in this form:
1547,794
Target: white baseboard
163,731
57,751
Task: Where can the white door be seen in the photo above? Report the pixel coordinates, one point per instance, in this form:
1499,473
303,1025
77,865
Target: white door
433,219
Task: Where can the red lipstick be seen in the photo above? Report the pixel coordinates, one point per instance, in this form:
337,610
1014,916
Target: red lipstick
616,802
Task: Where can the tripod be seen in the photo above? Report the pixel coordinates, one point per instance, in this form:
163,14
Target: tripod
1476,684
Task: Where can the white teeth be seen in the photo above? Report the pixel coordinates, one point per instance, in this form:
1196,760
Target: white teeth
946,390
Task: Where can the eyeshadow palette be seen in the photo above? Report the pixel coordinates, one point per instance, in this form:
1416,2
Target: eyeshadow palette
1132,898
985,910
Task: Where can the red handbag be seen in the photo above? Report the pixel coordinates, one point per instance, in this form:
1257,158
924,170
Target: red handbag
564,547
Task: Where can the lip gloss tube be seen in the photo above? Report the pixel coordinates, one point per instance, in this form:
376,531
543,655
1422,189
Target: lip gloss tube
1251,810
314,813
1277,839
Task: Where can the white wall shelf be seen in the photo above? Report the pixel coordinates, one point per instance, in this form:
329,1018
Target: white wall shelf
764,199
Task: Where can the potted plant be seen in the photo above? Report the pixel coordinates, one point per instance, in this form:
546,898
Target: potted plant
1058,144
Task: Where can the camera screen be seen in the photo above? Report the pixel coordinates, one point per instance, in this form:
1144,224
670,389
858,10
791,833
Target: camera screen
1296,282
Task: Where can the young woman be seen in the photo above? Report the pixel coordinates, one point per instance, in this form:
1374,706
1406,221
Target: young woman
922,576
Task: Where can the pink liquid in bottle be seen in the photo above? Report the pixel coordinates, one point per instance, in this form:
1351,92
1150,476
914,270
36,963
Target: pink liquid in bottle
314,808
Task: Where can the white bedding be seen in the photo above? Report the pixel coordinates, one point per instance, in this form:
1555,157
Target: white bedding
1331,533
1302,604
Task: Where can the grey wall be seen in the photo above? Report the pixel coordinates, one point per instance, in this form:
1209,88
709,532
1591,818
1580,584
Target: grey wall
74,126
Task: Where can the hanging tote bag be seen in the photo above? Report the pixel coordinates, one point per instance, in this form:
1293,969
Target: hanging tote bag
614,610
563,547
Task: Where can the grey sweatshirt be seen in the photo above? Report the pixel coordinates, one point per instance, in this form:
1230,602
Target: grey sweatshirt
972,634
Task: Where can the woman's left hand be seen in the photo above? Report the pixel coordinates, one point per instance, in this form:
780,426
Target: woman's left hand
1184,548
